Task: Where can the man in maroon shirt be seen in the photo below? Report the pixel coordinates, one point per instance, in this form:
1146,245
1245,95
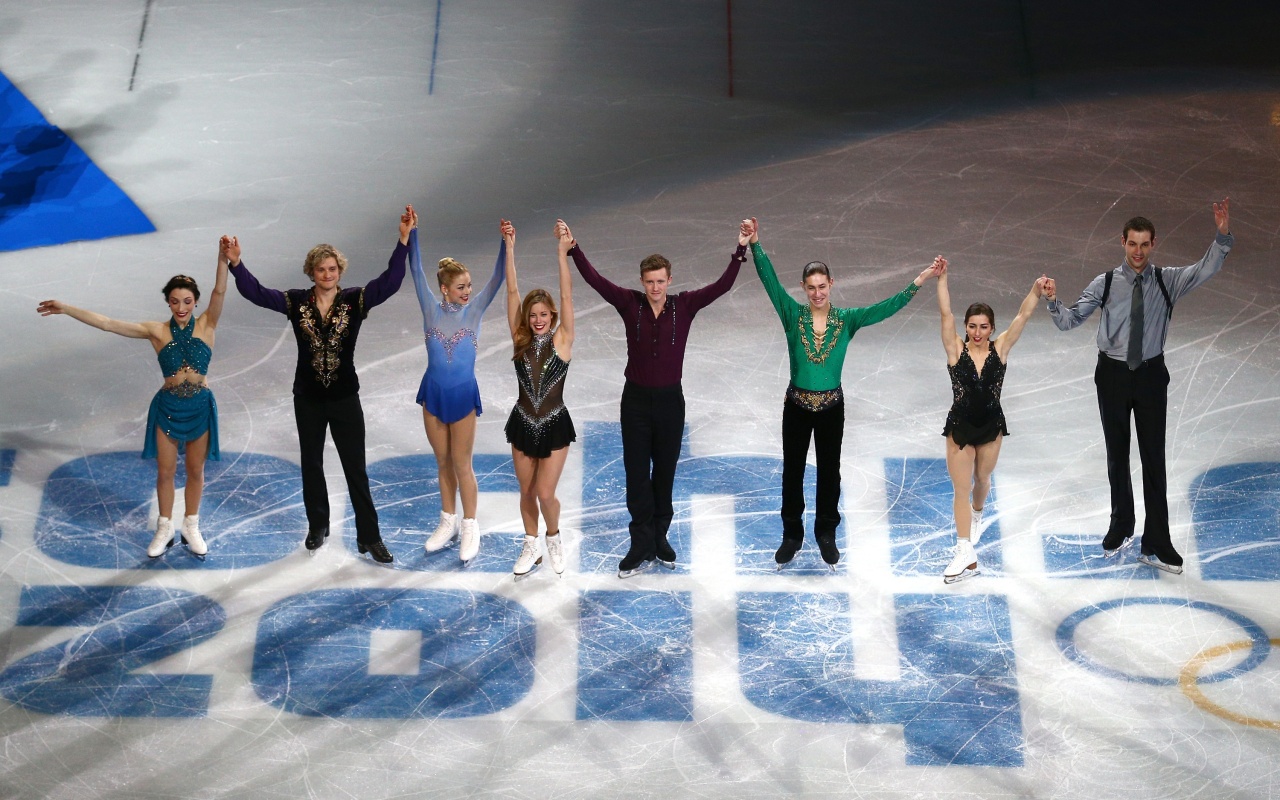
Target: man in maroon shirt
652,412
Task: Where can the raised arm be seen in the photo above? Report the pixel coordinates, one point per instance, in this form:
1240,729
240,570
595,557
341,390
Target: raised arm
421,283
213,312
705,296
951,341
784,304
1181,280
1005,342
381,288
612,293
246,284
490,291
513,290
870,315
133,330
1066,317
564,240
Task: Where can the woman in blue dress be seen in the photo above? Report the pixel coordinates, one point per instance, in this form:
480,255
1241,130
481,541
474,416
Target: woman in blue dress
449,394
183,414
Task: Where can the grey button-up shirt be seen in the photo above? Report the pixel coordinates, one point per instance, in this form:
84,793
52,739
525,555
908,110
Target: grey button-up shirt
1113,329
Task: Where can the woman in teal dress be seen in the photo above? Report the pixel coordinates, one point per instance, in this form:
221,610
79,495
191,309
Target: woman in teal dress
183,414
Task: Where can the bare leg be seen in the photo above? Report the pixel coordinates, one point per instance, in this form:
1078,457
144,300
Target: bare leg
166,470
548,477
438,436
462,440
197,451
527,475
985,456
960,467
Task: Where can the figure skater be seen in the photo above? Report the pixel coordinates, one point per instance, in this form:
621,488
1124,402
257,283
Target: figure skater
539,428
326,321
449,394
818,336
183,414
657,329
975,424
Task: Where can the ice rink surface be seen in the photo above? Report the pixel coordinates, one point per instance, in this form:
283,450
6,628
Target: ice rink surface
265,671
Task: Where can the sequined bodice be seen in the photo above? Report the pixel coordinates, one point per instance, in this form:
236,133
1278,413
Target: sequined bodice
184,352
540,373
977,396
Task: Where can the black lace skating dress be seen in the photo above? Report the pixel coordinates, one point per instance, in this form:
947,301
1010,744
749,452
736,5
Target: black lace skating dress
976,416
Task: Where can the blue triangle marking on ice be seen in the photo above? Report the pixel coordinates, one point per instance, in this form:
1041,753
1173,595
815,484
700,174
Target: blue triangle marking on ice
50,191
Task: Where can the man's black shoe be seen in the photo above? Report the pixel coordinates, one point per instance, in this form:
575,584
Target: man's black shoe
666,555
1115,541
316,537
830,553
376,549
787,550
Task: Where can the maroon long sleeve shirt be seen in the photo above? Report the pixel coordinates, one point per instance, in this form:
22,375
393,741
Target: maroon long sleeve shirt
655,345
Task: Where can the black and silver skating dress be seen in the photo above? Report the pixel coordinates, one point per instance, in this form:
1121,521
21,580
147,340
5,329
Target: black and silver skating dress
540,423
976,416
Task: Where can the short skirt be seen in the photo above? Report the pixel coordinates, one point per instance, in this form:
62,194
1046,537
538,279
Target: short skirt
967,432
183,416
450,404
538,439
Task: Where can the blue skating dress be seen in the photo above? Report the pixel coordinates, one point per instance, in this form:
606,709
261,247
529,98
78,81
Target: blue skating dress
186,411
449,390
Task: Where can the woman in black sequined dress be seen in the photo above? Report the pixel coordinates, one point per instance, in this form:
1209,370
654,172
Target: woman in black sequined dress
539,428
975,424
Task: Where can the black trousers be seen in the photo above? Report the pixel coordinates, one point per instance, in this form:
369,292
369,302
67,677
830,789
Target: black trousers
652,428
1144,394
826,429
345,418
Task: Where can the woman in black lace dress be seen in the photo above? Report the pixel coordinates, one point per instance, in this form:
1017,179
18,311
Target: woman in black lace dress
975,424
539,428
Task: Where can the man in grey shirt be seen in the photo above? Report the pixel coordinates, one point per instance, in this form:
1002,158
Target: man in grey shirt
1137,300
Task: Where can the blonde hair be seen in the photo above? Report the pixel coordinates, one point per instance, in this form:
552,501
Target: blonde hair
449,269
523,337
319,253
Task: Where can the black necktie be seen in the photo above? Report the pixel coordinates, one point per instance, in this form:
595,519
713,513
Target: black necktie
1136,318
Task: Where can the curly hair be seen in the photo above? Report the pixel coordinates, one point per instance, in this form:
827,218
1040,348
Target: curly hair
319,253
523,337
182,282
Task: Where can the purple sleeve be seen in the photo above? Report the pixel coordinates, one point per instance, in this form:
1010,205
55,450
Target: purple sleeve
701,298
380,289
256,293
614,294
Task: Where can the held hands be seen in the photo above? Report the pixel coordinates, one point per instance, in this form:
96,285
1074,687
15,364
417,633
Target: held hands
564,238
1039,286
229,249
934,270
408,221
755,229
1222,215
1048,288
49,307
508,232
746,232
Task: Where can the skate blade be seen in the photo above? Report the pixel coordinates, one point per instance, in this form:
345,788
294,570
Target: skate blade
519,576
969,572
193,554
1152,561
668,564
643,567
1123,546
832,567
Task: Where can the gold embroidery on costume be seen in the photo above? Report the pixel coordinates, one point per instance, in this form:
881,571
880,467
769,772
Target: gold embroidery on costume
815,349
325,340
